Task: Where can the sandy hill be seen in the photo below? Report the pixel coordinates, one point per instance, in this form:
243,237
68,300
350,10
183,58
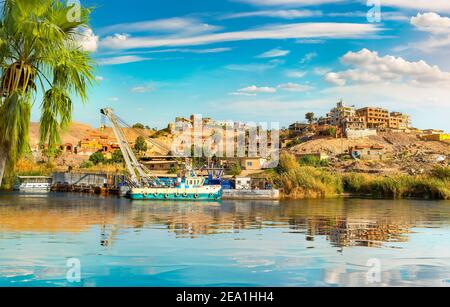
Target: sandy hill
79,131
75,133
393,142
404,152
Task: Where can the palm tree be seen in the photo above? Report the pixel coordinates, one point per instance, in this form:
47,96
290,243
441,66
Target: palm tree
39,55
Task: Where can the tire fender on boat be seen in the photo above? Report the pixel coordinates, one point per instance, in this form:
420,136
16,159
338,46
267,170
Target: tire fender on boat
195,195
166,195
185,194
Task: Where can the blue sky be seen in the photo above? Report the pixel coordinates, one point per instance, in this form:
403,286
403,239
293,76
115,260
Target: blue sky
267,60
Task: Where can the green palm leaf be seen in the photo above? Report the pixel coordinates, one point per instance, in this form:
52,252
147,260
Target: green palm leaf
39,46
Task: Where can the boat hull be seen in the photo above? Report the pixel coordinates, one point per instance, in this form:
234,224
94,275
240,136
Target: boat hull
204,193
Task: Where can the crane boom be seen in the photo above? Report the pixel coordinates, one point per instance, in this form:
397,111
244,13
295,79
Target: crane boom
139,174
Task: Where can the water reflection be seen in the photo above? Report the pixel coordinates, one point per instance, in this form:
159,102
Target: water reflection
343,222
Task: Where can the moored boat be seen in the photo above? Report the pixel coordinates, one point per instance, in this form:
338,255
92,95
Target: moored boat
33,184
192,188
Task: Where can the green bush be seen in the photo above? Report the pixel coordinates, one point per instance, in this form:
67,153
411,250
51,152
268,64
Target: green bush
294,143
311,160
86,164
235,170
332,131
97,158
117,157
442,173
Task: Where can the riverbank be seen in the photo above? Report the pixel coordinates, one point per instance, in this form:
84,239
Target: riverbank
299,180
308,179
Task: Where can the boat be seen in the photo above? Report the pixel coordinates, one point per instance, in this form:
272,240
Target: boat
192,188
33,184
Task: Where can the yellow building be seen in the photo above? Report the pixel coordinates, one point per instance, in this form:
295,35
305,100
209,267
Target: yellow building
437,137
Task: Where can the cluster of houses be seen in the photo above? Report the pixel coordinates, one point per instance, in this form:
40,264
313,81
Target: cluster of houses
350,122
93,143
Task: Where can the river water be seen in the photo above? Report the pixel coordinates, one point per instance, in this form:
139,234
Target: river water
81,240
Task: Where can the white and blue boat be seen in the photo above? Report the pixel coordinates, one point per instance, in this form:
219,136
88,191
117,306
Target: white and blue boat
192,188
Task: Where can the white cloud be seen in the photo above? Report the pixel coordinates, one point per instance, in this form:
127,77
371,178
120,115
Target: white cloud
268,106
288,2
252,67
431,22
275,32
335,79
87,40
294,87
394,96
369,67
143,88
295,73
241,94
203,51
118,60
99,78
390,16
177,25
308,57
320,71
255,89
274,53
113,99
420,5
437,26
284,14
174,50
310,41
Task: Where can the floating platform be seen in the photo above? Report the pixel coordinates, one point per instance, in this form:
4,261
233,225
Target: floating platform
251,194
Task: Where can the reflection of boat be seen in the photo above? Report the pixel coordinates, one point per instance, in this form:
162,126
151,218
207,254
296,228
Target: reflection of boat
33,184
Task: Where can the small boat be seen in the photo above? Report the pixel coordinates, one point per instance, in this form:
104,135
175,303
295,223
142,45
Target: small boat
33,184
191,188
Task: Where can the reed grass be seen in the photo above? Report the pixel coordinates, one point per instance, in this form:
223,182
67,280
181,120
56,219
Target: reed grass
299,181
398,186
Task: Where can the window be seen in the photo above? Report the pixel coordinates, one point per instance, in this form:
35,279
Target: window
249,163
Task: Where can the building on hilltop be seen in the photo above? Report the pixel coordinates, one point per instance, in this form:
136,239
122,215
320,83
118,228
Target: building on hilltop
298,128
399,121
375,118
341,112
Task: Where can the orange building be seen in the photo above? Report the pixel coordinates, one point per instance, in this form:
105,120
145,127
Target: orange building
399,120
375,118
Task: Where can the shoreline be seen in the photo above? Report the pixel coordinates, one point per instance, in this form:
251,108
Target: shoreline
282,197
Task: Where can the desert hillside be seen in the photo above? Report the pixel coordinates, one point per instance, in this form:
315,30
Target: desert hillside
79,131
404,152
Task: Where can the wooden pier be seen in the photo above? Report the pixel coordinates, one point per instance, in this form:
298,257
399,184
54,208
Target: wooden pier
93,183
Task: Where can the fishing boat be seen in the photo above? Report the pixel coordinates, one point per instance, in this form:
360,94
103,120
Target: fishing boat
193,188
143,185
33,184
